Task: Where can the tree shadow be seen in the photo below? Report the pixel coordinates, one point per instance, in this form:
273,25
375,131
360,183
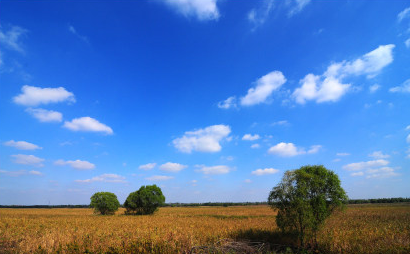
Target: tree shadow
275,241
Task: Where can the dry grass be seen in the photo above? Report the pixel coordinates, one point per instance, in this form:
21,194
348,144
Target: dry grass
360,229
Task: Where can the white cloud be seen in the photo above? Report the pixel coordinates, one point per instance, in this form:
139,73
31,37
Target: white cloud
34,172
172,167
258,16
44,115
282,122
266,171
255,146
403,14
342,154
289,150
147,166
22,145
314,149
247,181
106,178
364,165
202,140
403,88
408,128
13,173
214,170
77,164
374,88
407,43
10,39
228,103
381,172
408,139
87,124
250,137
329,86
357,173
74,31
32,96
201,9
159,178
264,87
379,155
297,6
28,160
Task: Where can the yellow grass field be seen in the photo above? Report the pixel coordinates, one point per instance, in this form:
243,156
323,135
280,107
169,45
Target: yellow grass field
359,229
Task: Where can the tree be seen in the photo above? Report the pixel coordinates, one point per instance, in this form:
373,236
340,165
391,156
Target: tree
144,201
305,198
104,203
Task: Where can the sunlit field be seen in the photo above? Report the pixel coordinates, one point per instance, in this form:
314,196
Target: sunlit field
359,229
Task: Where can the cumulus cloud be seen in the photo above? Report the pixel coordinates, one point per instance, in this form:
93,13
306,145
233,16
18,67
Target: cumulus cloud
228,103
263,88
34,172
87,124
250,137
214,170
407,43
379,155
106,178
77,164
201,9
403,14
329,86
363,165
44,115
147,166
403,88
202,140
22,145
172,167
266,171
289,149
27,160
371,169
159,178
33,96
11,38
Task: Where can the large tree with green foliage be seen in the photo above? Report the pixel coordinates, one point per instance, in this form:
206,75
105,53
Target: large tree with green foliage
104,203
146,200
305,198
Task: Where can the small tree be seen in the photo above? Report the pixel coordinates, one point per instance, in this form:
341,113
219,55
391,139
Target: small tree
104,203
305,198
144,201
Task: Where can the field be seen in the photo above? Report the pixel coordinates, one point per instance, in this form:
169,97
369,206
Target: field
359,229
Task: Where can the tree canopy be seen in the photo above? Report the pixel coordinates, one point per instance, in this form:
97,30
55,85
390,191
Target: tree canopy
104,203
146,200
305,198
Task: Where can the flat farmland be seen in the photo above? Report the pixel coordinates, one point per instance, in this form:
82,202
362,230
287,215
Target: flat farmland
359,229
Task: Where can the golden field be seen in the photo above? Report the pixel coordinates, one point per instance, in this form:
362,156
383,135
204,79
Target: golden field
359,229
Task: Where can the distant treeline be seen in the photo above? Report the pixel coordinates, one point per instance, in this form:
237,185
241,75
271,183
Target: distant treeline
351,201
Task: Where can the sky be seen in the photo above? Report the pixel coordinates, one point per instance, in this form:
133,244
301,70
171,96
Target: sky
210,100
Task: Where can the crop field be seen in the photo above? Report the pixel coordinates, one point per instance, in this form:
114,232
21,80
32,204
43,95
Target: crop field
359,229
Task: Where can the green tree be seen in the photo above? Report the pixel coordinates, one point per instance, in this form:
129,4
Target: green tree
305,198
104,203
146,200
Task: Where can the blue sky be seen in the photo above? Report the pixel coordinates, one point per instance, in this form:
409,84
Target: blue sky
211,100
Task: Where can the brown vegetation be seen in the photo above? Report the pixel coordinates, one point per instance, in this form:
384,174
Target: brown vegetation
360,229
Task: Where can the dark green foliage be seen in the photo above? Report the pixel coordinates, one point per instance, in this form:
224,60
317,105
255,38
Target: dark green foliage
305,198
104,203
146,200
